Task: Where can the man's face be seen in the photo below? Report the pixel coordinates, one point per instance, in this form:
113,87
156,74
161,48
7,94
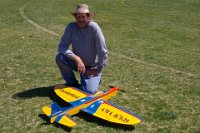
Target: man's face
82,19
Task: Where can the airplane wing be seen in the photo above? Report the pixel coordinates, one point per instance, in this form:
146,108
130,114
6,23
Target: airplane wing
70,94
112,113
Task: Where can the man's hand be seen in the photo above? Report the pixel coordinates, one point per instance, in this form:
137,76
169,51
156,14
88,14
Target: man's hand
80,65
81,68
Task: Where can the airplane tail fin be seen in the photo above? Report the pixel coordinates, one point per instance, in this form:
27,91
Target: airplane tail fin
56,109
52,111
58,114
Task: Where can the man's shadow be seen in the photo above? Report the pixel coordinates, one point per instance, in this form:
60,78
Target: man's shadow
49,92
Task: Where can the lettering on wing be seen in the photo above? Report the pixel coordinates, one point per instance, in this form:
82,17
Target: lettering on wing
115,115
71,94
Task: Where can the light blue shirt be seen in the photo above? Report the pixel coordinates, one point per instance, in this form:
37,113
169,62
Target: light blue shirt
88,43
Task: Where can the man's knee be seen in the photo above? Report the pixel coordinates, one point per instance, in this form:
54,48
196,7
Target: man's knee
91,90
59,58
62,59
91,87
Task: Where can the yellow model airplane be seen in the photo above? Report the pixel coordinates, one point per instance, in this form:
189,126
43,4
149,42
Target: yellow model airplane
93,104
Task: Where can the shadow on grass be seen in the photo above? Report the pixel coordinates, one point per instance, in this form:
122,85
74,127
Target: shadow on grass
90,118
35,92
49,92
40,92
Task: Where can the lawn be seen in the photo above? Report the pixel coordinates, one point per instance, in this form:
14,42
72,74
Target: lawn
154,56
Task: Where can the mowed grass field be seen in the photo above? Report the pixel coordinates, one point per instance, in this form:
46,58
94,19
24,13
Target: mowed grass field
154,56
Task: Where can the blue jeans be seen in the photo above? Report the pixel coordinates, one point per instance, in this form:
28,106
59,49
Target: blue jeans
67,66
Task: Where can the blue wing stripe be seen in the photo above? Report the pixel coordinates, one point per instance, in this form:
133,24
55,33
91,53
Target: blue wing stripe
91,109
81,101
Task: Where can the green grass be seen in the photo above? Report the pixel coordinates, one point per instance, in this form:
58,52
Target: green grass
154,56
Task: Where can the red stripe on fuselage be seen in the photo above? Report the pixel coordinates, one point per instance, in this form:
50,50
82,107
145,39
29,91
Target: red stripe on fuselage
110,91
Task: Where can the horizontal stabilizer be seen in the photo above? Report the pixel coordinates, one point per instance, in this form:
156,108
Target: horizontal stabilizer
63,119
112,113
47,110
54,110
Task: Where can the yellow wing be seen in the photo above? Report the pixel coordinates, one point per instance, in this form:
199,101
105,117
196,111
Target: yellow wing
112,113
69,94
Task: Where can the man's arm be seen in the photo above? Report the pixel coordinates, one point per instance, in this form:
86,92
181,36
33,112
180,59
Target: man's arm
65,41
101,49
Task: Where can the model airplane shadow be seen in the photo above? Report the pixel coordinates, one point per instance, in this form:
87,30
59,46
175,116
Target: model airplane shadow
49,92
91,119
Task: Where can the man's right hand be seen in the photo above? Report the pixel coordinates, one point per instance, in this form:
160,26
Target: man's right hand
80,65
